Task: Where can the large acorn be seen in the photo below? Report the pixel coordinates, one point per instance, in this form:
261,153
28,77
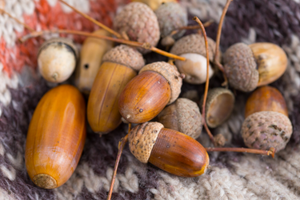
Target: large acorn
251,66
192,47
267,124
144,97
139,23
120,65
57,59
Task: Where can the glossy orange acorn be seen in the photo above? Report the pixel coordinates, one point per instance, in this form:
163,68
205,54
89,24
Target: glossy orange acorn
56,137
145,96
119,66
170,150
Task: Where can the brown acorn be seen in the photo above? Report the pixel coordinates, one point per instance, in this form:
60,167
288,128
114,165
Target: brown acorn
120,65
219,106
144,97
92,51
169,150
192,47
267,124
140,24
56,137
184,116
251,66
171,16
57,59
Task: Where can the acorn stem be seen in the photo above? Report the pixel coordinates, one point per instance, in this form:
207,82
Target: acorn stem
128,42
17,20
206,24
269,152
207,80
218,42
92,20
121,145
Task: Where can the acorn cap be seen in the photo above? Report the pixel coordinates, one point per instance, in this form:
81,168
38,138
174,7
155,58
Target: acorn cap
125,55
140,24
171,16
194,43
170,73
266,129
219,105
183,116
240,67
142,138
68,42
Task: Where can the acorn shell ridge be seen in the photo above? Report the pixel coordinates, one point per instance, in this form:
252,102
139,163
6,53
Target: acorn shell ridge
125,55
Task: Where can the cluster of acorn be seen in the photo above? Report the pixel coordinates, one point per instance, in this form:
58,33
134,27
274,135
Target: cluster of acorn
122,87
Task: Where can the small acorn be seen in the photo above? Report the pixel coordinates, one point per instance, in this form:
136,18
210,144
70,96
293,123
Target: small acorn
145,96
267,124
219,106
154,4
119,66
184,116
57,59
169,150
251,66
91,55
171,16
192,47
56,137
139,23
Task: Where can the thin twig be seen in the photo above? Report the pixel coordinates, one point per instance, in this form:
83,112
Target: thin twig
206,24
207,80
121,145
17,20
245,150
128,42
92,20
216,61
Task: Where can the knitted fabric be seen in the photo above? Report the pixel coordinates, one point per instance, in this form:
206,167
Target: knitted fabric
230,175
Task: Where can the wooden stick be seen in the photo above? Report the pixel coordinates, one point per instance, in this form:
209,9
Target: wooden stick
207,80
92,20
245,150
128,42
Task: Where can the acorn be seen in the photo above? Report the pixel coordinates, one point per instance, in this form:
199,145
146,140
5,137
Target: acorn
144,97
55,137
139,23
57,59
167,149
184,116
171,16
153,4
192,47
91,55
219,105
251,66
120,65
267,124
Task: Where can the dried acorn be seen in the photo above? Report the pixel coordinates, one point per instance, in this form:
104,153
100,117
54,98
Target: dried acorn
140,24
192,47
56,137
144,97
267,124
251,66
91,55
183,116
219,105
120,65
169,150
171,16
57,59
